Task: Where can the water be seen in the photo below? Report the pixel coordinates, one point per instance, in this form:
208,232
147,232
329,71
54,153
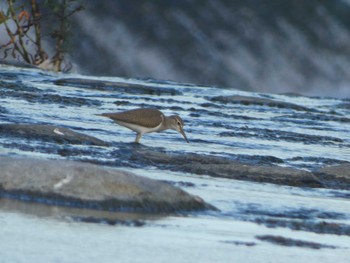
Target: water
253,45
221,237
300,139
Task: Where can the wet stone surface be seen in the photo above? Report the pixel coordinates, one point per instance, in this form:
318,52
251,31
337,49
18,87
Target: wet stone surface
108,221
226,168
2,110
257,168
311,118
75,184
335,176
33,95
48,133
309,226
309,220
289,242
115,86
340,171
239,243
252,146
246,100
269,134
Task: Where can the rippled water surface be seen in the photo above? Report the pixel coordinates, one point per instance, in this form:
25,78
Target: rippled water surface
306,139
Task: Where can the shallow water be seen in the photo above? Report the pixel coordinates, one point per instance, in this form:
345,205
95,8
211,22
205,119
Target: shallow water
302,139
207,237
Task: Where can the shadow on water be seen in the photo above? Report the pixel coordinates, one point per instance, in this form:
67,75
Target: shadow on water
76,214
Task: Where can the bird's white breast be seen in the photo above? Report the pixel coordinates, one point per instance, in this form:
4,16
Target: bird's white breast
138,128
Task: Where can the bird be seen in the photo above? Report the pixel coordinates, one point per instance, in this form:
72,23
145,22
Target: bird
147,120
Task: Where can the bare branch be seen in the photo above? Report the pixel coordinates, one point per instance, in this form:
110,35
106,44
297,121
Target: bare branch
21,46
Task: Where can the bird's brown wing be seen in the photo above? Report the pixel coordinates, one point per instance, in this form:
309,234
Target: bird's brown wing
144,116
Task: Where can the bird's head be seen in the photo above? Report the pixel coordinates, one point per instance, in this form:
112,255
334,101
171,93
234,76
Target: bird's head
177,124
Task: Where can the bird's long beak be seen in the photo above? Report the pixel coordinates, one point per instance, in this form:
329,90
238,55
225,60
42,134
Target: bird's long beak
184,135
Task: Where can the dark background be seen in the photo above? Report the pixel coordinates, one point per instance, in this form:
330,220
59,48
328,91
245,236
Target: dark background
293,46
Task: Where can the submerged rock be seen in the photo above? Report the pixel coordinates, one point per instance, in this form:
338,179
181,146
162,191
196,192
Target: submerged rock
278,135
2,110
289,242
226,168
258,173
246,100
49,133
116,86
315,226
75,184
32,94
264,169
107,221
339,171
335,176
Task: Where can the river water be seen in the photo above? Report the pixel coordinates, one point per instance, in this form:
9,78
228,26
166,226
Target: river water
304,139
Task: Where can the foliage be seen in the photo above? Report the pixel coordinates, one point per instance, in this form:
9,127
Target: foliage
23,24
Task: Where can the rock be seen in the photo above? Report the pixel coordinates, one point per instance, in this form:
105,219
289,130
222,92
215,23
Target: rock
318,226
49,133
283,241
339,171
344,106
107,221
335,176
309,118
258,173
3,110
246,100
23,91
226,168
68,183
278,135
116,86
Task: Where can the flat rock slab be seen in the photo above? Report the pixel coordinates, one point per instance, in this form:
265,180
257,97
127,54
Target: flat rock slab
246,100
116,86
339,171
226,168
50,133
288,242
335,176
76,184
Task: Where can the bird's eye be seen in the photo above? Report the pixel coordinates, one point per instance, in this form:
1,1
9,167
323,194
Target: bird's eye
178,123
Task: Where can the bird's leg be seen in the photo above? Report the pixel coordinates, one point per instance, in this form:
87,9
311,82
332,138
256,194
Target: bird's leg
138,137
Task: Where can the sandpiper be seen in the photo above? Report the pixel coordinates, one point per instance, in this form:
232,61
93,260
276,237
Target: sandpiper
146,120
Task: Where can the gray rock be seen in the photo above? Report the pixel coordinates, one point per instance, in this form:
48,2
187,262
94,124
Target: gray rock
49,133
259,173
226,168
246,100
76,184
116,86
283,241
338,171
335,176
